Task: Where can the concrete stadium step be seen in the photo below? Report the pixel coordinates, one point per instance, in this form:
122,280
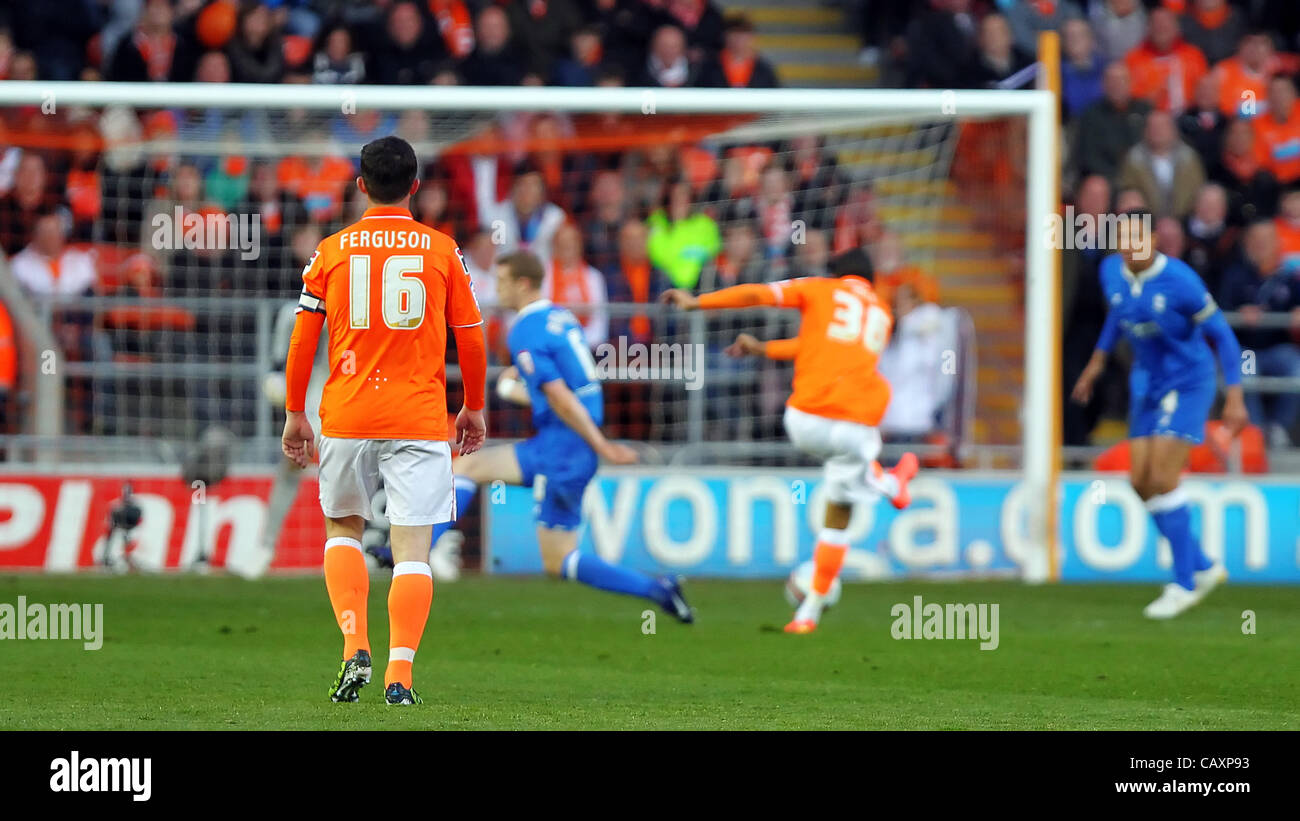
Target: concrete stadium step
818,42
809,45
768,15
819,75
965,241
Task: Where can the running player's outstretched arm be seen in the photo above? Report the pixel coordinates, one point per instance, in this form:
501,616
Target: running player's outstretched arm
569,408
737,296
750,345
298,440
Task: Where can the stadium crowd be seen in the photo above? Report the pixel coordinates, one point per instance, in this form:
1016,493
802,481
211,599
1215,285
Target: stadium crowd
1185,107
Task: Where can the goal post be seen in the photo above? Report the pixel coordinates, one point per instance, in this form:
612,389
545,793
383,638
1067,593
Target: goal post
786,112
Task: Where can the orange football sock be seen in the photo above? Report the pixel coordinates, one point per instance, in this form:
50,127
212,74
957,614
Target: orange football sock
408,609
348,583
828,558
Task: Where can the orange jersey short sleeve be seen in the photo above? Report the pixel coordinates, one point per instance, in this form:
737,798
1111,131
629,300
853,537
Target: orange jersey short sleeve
844,327
388,287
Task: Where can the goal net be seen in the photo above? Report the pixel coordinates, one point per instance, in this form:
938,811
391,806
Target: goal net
181,217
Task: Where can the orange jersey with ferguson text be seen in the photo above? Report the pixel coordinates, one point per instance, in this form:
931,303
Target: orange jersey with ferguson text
388,287
844,328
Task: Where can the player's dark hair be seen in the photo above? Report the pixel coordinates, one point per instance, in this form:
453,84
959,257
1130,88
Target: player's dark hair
388,166
524,265
855,262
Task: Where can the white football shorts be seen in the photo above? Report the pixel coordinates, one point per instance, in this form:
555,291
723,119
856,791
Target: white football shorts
846,448
416,474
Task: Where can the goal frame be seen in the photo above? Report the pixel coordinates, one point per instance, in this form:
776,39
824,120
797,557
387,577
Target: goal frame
1042,371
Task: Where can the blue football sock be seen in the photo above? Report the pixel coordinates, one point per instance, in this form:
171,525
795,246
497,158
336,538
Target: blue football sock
465,490
594,571
1174,521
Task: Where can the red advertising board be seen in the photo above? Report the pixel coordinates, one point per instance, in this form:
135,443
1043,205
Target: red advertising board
59,522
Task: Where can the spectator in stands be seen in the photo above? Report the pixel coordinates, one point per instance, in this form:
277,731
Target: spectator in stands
26,201
480,261
1120,26
1082,67
1214,27
1111,126
701,23
336,62
740,261
494,62
881,23
1029,18
432,207
7,50
1261,284
819,184
571,282
1170,239
1287,224
57,33
604,222
940,45
584,61
1165,68
287,281
1203,124
1252,188
1243,78
857,225
1083,310
146,54
682,239
774,210
739,65
667,65
913,364
1211,241
1131,199
256,55
1164,168
632,278
997,58
626,26
812,256
410,52
48,267
1277,131
543,31
526,219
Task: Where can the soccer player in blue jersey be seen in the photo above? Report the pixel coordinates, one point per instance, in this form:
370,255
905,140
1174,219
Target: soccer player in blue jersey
1161,306
555,374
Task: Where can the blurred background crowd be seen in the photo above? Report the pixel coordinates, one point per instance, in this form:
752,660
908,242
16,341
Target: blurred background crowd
1185,107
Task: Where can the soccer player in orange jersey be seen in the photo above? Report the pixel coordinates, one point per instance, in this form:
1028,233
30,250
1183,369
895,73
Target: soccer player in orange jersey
388,288
838,400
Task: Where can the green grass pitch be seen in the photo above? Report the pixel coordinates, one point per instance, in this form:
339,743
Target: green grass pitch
220,653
